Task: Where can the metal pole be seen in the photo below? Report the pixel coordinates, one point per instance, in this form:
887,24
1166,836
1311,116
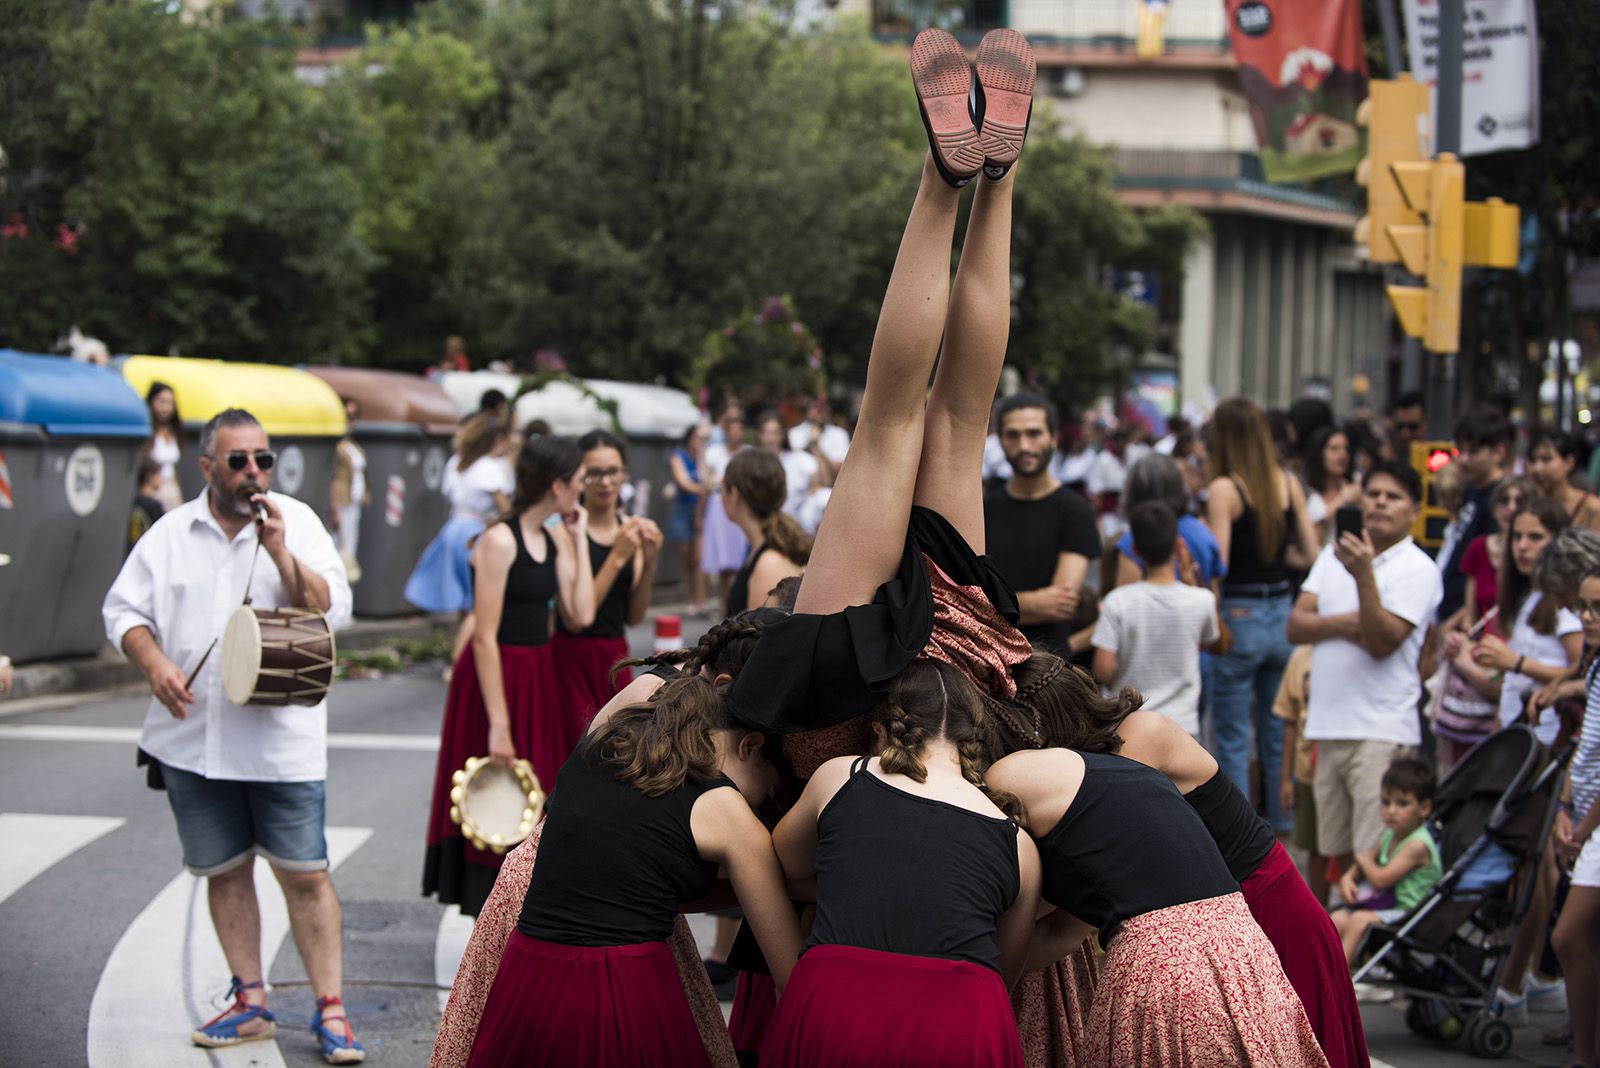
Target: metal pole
1390,25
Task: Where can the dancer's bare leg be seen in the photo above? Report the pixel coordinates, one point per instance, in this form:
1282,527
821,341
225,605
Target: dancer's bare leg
863,531
950,470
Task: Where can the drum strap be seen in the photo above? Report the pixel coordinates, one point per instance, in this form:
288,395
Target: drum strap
249,579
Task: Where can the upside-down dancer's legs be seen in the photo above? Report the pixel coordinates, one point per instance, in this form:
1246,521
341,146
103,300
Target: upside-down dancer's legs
863,531
950,470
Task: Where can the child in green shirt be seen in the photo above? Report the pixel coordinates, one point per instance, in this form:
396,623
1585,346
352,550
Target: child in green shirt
1387,881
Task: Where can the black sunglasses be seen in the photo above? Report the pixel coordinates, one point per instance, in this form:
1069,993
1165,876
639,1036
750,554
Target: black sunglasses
238,461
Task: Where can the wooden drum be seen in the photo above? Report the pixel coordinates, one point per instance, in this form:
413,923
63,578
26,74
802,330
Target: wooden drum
277,656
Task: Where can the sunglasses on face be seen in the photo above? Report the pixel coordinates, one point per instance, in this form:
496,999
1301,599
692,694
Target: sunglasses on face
238,461
1587,608
1409,427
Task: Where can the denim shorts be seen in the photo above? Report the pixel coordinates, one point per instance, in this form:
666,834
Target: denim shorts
222,822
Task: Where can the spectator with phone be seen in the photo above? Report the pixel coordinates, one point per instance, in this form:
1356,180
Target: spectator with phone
1365,608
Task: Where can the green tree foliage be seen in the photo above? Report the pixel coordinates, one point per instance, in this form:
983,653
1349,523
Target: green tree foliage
616,181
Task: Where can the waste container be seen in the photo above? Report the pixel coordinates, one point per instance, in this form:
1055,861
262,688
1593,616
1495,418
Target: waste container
70,435
466,388
403,424
300,413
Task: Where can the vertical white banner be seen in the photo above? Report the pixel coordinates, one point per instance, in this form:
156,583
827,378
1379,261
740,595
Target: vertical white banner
1499,69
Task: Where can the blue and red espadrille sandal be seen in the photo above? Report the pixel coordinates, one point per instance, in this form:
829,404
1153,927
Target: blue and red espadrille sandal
336,1049
223,1030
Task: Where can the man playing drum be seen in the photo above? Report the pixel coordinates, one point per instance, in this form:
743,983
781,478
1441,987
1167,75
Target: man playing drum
242,781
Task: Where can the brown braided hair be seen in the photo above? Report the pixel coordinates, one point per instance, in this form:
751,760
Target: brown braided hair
930,699
759,478
722,650
666,740
1067,709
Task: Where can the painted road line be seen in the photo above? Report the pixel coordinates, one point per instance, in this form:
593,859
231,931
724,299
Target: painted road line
32,843
448,947
166,975
50,732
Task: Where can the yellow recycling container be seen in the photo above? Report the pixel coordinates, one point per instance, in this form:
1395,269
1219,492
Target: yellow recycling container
301,414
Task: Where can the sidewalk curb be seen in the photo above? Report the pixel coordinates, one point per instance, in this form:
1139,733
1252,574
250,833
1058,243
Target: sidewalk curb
109,669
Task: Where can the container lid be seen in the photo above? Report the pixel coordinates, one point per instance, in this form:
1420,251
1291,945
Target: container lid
287,401
642,410
392,397
648,410
466,388
64,396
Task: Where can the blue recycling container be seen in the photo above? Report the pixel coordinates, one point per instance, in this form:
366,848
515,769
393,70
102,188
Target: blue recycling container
70,435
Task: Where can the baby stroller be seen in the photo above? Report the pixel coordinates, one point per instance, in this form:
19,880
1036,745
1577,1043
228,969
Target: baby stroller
1491,819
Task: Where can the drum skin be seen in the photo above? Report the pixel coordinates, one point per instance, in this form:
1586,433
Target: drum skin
277,656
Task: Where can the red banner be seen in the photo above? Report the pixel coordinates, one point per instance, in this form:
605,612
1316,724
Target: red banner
1303,68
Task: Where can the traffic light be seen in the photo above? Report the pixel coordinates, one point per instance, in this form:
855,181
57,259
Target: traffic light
1428,458
1399,121
1432,249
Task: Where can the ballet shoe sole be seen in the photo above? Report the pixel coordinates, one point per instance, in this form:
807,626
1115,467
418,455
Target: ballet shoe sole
943,80
1007,71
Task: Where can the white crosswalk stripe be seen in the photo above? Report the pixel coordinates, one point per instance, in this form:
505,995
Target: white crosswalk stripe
32,843
37,732
449,945
160,981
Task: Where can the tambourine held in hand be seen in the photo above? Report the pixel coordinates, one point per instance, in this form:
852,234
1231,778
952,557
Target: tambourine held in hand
495,806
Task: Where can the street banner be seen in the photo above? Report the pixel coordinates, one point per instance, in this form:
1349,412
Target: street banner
1303,68
1499,69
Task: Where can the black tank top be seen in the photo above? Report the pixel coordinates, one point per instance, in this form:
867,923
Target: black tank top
1243,838
611,614
1247,565
906,874
525,618
739,588
1128,845
614,865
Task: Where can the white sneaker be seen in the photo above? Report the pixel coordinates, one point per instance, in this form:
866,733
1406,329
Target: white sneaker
1372,994
1512,1008
1545,995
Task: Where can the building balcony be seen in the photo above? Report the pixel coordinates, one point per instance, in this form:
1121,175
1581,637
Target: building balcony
1221,181
1097,26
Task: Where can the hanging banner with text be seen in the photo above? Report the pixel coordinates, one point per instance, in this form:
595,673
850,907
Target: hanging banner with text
1499,69
1303,68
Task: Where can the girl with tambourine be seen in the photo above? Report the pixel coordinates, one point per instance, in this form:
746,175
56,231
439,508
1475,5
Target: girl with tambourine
622,553
504,699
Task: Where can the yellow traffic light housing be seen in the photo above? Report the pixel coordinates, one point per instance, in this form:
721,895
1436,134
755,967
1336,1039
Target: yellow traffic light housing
1399,120
1427,459
1433,250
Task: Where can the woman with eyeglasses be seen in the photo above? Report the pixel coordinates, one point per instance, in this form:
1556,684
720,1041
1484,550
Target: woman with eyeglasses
504,699
622,555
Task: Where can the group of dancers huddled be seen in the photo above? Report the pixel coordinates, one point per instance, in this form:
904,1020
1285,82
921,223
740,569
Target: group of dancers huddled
927,824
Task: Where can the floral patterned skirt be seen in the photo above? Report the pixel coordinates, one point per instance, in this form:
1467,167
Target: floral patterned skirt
1197,986
1053,1006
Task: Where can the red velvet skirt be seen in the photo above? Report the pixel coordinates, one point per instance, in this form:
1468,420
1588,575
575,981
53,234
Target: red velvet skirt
847,1007
755,1002
556,1005
1313,959
453,869
583,671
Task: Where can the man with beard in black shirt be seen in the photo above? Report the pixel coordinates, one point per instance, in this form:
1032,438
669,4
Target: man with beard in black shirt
1040,534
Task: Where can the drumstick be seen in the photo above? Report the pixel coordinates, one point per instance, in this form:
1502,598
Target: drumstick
189,682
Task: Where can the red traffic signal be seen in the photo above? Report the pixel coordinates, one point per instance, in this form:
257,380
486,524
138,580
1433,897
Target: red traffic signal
1438,459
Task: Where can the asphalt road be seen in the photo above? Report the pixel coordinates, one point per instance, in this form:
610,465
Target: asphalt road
106,951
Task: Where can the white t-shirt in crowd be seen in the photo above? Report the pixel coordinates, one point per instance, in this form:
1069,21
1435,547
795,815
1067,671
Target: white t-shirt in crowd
1544,648
1070,467
799,471
995,464
1156,632
472,491
1355,697
833,440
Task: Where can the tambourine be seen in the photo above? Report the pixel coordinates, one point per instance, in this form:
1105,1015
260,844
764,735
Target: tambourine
495,806
277,656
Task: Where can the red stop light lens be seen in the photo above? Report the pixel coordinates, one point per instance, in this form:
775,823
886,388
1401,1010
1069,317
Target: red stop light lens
1437,459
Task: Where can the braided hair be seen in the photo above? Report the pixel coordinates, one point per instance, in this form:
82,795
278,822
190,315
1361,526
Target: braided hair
722,650
1064,710
927,700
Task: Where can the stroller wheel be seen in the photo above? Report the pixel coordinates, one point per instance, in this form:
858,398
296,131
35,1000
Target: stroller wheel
1488,1037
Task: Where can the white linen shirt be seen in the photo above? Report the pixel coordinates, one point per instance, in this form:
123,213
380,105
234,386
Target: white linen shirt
1354,696
183,580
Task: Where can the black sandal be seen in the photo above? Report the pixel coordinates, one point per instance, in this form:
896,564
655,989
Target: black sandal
943,80
1003,104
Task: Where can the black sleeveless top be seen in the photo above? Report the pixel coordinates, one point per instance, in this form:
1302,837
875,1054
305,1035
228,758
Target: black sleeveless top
1128,845
906,874
739,588
1243,838
525,618
614,865
1247,565
611,614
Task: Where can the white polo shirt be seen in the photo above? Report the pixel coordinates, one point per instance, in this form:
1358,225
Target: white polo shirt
1355,696
183,579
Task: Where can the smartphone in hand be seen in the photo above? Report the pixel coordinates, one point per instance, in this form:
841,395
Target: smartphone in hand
1347,520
